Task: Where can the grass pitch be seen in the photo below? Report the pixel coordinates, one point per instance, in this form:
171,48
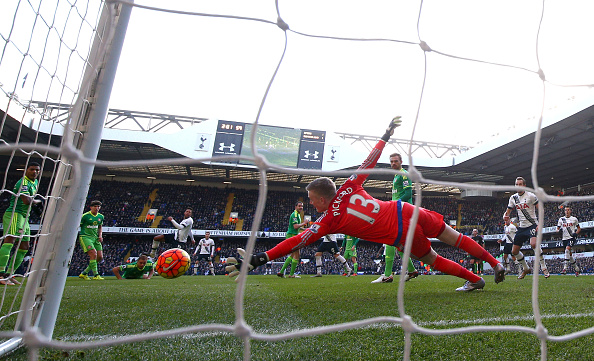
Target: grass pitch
99,310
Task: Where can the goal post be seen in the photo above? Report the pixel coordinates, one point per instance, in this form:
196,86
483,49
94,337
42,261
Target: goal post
80,145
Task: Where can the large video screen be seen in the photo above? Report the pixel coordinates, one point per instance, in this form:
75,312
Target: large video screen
279,145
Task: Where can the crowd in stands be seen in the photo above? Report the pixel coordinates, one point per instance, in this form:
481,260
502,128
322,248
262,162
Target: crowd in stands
123,203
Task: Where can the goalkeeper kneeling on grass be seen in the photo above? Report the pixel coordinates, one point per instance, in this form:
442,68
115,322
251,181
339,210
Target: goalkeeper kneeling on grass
351,210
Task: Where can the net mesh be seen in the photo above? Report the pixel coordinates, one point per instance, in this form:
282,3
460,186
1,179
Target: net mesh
46,47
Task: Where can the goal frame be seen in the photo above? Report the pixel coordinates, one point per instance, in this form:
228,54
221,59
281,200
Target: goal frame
80,146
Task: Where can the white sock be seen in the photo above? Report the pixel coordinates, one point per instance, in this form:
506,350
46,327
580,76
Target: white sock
319,265
521,260
344,263
154,248
543,265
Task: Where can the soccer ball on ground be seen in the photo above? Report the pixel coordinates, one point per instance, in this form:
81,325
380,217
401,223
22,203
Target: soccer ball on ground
173,263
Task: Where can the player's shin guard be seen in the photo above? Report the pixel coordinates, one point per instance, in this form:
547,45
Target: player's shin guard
390,253
355,267
411,266
4,255
286,264
467,244
154,248
18,260
543,265
452,268
93,266
294,264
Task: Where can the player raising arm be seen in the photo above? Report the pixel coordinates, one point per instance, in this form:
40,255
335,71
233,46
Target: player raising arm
351,210
182,234
526,205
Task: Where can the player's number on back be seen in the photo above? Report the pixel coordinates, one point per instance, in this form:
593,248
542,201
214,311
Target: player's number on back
365,203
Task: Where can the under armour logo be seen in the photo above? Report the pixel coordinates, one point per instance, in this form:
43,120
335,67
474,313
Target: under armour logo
231,147
315,154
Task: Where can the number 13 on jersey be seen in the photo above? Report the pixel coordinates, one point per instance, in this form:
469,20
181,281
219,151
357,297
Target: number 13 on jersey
370,206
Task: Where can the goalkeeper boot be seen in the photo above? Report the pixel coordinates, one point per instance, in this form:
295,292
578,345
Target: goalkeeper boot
499,273
468,286
410,275
84,277
97,277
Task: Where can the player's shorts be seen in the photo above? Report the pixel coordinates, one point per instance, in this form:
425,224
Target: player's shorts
524,235
507,248
169,238
568,242
205,257
348,254
429,225
88,243
330,247
15,224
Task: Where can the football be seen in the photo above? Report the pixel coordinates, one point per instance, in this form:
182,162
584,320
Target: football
173,263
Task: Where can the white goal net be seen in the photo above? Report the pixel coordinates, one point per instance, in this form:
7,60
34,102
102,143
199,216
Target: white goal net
67,52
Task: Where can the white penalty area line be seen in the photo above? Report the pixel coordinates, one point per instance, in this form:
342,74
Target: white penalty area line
503,319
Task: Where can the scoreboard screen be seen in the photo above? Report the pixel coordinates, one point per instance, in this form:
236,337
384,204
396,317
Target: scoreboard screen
279,145
286,147
228,139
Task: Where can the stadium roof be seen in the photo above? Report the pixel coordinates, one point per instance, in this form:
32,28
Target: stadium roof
565,159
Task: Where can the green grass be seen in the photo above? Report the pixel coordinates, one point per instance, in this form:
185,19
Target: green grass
96,310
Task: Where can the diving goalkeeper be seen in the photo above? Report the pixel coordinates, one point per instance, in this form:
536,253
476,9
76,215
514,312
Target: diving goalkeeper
351,210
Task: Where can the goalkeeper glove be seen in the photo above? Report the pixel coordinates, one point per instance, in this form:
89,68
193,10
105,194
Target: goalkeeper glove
234,264
394,123
37,206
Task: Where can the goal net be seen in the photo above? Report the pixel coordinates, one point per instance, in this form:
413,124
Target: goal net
67,52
